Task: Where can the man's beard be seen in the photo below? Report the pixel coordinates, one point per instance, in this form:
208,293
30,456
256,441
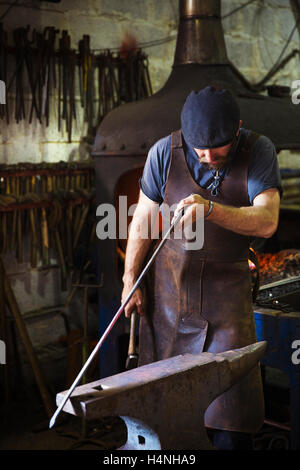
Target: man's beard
218,165
224,160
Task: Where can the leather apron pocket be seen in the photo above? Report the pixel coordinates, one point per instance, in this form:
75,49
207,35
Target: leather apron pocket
192,327
173,323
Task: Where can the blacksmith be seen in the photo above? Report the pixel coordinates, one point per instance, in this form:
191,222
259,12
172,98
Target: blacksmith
200,300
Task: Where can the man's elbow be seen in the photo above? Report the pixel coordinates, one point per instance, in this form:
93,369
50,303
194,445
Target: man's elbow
269,229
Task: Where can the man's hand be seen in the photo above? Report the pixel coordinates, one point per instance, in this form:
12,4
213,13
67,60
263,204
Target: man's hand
136,301
191,205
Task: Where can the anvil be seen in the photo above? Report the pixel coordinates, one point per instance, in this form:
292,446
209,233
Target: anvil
163,403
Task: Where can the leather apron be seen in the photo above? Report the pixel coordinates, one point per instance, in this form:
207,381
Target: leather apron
200,300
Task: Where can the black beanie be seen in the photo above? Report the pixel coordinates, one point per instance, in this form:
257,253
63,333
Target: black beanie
209,118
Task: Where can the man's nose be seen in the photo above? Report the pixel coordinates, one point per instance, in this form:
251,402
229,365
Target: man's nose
208,155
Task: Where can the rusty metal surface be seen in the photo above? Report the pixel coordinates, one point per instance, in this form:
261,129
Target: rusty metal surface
200,60
168,397
196,8
200,38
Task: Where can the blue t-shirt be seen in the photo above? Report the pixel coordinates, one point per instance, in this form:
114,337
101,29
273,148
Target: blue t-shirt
263,171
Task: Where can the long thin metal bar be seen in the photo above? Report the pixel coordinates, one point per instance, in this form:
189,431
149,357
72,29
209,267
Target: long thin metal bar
115,318
281,282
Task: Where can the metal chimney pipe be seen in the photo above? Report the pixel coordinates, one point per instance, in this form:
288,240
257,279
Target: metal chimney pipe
200,37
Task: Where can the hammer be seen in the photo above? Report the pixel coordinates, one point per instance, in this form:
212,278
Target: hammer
132,359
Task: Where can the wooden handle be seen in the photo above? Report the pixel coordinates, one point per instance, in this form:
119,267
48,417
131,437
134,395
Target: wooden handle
132,338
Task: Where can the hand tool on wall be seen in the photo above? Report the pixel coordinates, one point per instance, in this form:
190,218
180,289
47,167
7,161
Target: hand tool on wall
69,222
32,197
83,215
113,83
59,97
122,77
6,200
19,35
138,65
45,237
48,69
102,92
54,219
67,82
100,113
109,94
34,71
115,318
90,96
72,113
15,216
23,54
34,239
86,79
132,359
19,236
14,230
146,81
38,62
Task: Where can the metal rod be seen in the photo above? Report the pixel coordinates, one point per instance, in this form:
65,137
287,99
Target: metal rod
280,282
277,425
115,318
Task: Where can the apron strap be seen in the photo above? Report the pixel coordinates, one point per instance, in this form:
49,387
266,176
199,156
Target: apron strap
176,139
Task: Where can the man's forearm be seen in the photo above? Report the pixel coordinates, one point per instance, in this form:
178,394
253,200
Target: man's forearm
258,220
253,220
136,251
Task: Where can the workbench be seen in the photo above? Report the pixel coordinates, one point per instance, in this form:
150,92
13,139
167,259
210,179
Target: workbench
280,330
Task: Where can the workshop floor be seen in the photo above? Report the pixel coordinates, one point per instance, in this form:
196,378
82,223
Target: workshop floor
24,426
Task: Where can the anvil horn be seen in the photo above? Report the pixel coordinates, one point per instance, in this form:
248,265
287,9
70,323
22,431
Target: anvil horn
236,363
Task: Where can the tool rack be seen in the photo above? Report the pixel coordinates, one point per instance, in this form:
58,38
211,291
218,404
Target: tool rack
50,204
102,80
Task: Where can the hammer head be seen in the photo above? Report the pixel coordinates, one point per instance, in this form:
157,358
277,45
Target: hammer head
131,361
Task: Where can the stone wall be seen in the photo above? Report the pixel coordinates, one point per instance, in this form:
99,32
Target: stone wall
255,37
